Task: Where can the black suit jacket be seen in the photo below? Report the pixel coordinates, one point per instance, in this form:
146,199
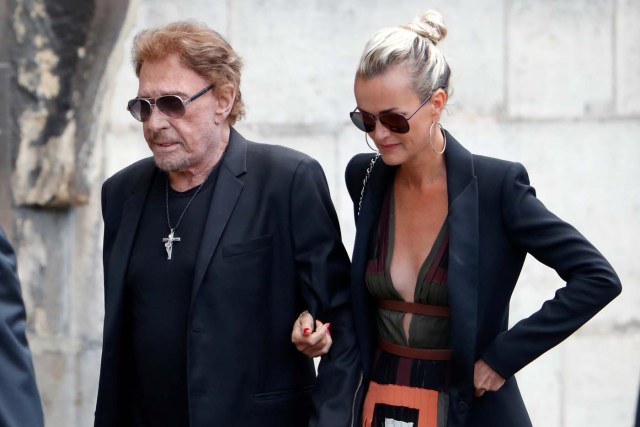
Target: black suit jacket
494,221
271,248
19,399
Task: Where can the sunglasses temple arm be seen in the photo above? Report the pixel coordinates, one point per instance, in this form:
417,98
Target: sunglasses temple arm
199,94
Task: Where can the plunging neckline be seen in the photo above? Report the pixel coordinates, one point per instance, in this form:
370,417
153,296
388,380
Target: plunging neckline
422,271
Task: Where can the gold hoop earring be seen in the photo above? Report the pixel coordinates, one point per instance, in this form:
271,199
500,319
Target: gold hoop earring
444,135
366,139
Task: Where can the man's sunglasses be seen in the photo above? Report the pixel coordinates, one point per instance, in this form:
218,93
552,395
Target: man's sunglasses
395,122
170,105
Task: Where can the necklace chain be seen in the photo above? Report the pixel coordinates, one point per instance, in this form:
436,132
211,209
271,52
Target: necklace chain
188,204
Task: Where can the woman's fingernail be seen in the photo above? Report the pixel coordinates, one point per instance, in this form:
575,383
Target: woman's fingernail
328,325
306,331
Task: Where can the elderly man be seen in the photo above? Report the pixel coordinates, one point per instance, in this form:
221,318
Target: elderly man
212,248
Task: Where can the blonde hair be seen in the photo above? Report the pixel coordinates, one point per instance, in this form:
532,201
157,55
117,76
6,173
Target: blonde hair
414,45
200,48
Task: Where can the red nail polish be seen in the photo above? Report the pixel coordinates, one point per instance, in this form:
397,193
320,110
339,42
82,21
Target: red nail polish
328,325
306,331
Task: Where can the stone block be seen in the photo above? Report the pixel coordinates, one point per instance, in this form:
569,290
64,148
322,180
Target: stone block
6,201
88,371
299,60
541,386
475,50
55,374
151,13
86,287
627,57
41,246
303,71
601,375
125,146
559,59
313,142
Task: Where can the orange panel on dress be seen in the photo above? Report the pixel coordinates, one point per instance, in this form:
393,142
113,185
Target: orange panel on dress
425,401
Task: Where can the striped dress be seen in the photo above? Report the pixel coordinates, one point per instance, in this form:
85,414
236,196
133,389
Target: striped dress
410,374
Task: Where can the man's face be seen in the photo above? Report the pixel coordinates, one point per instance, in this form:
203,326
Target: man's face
189,143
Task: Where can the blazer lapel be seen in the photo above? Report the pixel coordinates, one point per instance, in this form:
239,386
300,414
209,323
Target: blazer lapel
225,196
364,308
121,250
463,270
380,176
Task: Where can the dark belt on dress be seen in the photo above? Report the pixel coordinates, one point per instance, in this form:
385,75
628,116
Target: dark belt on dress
414,308
413,353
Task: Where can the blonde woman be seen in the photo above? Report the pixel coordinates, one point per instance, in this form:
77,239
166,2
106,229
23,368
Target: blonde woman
442,235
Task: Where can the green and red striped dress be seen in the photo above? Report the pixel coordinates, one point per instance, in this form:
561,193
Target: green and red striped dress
410,375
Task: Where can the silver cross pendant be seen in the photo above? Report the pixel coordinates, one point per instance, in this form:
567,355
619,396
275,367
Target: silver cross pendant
168,243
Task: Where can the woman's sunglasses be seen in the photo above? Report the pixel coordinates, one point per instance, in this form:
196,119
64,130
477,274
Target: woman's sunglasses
395,122
170,105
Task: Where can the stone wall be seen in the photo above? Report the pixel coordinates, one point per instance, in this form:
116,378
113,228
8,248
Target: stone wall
54,55
5,152
552,84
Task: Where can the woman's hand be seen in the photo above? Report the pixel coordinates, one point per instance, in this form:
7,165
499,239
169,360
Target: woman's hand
485,378
311,343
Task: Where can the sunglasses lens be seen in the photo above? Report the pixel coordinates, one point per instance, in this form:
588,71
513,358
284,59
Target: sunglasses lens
140,109
171,105
394,122
364,122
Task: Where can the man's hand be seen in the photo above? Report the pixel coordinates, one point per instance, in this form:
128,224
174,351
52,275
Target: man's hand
311,343
485,378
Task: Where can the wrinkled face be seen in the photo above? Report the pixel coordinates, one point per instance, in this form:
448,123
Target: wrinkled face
188,142
391,92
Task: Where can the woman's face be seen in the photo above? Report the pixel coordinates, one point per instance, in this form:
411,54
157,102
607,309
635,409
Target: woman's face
391,92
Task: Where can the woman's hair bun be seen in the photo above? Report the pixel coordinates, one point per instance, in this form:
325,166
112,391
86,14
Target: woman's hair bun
429,25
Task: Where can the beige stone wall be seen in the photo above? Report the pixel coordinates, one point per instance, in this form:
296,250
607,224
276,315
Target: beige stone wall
552,84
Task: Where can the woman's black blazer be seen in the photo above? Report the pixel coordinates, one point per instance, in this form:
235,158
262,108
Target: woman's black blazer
494,220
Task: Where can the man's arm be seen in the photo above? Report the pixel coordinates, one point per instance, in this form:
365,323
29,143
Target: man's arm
323,273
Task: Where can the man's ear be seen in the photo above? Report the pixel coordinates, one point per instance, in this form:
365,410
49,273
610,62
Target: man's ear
225,97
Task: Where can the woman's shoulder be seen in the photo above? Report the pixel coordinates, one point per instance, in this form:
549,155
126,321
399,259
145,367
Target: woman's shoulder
360,162
492,164
495,170
357,168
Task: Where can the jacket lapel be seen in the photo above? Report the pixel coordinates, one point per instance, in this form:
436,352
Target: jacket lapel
463,270
122,246
366,223
225,195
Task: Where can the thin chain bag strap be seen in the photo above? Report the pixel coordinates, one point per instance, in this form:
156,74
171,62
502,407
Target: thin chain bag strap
366,178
